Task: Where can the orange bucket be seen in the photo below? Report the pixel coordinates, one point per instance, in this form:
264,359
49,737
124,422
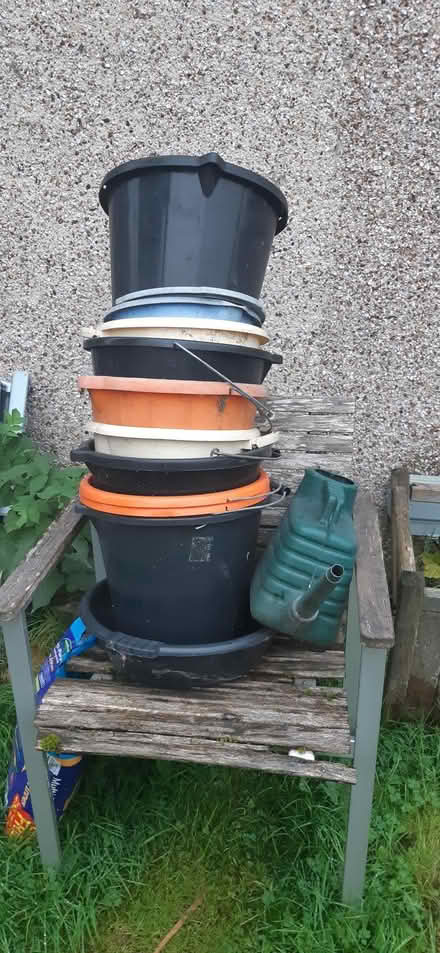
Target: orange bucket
181,405
223,501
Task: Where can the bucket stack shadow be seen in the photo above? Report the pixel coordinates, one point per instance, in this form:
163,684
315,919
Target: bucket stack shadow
177,481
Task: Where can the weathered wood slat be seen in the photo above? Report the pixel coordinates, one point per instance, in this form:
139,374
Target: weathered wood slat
298,460
375,619
292,443
292,704
291,422
17,591
285,717
320,741
226,754
90,666
282,660
312,405
426,492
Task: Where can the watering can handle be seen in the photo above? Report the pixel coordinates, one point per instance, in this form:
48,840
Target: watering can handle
267,414
330,511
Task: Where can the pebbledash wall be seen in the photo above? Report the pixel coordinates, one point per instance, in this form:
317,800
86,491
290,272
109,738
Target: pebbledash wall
335,100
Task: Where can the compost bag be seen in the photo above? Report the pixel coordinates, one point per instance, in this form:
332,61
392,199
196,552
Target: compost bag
64,770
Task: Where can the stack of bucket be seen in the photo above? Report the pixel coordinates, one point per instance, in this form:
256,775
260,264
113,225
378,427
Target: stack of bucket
176,484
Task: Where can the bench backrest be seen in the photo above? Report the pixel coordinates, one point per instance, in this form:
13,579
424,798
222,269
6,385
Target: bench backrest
314,432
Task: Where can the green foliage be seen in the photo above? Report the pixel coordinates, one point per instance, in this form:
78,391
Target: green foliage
36,488
431,565
429,561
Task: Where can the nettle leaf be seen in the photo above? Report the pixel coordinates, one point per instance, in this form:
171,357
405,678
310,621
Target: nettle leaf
6,496
15,519
33,513
431,565
79,581
50,492
14,473
47,589
38,482
82,546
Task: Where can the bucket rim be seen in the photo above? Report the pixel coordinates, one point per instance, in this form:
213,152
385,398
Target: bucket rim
173,322
191,436
169,345
159,385
191,293
127,170
87,454
164,649
191,504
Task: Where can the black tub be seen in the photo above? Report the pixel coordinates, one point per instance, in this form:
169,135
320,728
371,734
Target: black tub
170,477
161,358
181,580
165,665
191,221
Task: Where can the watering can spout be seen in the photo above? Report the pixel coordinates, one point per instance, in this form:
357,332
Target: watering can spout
305,608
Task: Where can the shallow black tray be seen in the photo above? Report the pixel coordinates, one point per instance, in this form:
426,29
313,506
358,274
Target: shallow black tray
164,665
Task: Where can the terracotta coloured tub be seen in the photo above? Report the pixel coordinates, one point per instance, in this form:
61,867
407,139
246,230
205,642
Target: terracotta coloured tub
187,405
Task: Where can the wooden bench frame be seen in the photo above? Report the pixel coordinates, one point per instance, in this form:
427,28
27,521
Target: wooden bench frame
368,639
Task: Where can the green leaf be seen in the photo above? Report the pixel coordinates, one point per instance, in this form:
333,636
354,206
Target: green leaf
33,513
81,546
15,519
38,482
431,565
49,492
13,474
47,589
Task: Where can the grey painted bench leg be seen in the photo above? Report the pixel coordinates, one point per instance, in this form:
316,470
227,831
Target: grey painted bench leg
23,687
371,679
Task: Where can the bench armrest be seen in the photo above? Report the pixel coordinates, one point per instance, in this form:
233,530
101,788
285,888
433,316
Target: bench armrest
17,591
375,619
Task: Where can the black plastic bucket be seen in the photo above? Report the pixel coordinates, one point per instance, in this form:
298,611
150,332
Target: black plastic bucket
160,358
190,221
170,477
182,580
164,665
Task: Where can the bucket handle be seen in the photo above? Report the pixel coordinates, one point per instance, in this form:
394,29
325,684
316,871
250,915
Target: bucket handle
277,489
245,455
267,414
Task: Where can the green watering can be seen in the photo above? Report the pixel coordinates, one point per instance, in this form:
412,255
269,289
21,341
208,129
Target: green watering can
300,586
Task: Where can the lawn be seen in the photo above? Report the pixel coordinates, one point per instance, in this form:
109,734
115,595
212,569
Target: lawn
143,840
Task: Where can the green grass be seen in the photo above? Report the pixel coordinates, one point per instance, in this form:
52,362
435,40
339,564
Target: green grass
142,841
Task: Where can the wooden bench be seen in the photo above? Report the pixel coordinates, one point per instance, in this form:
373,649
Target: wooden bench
326,702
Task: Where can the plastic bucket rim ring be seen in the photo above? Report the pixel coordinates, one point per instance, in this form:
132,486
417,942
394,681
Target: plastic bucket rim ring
127,170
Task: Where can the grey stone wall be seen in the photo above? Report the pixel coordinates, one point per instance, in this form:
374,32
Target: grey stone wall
336,101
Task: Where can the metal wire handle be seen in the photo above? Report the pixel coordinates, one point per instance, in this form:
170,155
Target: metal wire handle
267,414
280,490
245,455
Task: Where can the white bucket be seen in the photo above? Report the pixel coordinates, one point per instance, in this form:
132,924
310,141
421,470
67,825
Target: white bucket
184,329
158,443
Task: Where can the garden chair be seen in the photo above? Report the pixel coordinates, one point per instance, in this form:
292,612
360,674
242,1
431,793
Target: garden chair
290,702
